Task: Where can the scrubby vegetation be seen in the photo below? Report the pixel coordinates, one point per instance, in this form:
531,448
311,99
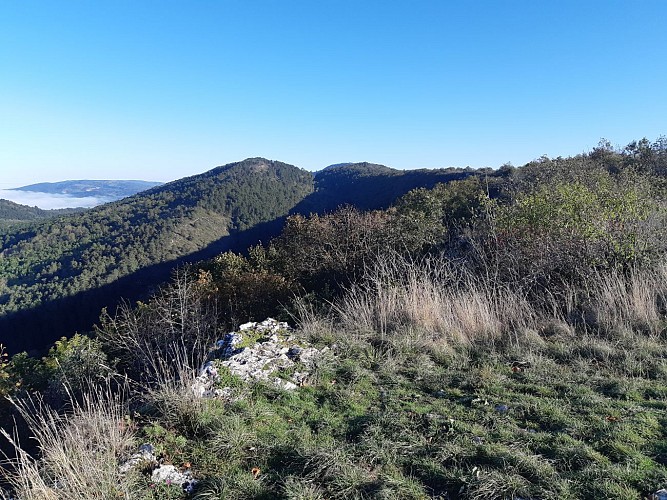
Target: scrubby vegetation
74,266
488,338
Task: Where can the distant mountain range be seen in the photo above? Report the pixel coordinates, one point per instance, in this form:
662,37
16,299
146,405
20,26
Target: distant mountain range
107,189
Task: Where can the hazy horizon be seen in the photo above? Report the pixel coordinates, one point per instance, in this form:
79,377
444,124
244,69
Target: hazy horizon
50,201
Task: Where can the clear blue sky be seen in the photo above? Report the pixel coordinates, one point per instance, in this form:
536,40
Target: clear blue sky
158,90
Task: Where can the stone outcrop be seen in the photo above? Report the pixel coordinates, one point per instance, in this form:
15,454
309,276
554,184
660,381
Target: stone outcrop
145,459
169,474
263,351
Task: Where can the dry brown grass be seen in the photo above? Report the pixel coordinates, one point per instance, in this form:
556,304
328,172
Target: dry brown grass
432,296
631,302
79,449
439,300
172,394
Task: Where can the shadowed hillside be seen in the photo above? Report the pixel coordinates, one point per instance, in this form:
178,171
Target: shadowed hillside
33,329
47,261
369,186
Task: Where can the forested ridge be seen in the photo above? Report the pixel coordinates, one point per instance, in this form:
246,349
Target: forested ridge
60,257
12,213
71,266
45,262
370,186
551,222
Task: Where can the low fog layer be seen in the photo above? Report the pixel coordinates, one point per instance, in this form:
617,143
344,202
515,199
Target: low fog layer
48,201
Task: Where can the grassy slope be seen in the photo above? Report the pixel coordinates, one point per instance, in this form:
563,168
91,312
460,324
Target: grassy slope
381,421
585,421
403,414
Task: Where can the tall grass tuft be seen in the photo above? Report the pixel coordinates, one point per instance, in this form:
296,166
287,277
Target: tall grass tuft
79,449
629,302
431,295
171,392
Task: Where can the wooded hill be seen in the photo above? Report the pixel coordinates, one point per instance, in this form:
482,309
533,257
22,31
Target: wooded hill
45,264
369,186
70,267
11,213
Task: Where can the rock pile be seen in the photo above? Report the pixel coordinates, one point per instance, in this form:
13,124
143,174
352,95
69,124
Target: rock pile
258,352
161,473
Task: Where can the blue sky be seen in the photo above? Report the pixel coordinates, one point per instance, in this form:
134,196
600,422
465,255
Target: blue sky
158,90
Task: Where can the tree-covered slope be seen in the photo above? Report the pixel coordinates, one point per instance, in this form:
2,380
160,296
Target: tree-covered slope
369,186
11,213
52,259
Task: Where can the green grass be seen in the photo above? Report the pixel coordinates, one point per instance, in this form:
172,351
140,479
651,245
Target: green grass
390,420
402,416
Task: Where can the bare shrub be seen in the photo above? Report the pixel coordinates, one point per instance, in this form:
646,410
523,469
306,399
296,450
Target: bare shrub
177,323
79,449
326,250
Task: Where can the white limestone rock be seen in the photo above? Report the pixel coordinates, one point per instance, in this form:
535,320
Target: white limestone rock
143,459
276,351
169,474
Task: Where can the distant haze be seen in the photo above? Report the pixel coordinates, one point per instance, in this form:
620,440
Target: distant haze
48,201
75,193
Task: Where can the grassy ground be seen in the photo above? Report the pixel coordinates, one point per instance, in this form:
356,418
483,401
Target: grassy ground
559,418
